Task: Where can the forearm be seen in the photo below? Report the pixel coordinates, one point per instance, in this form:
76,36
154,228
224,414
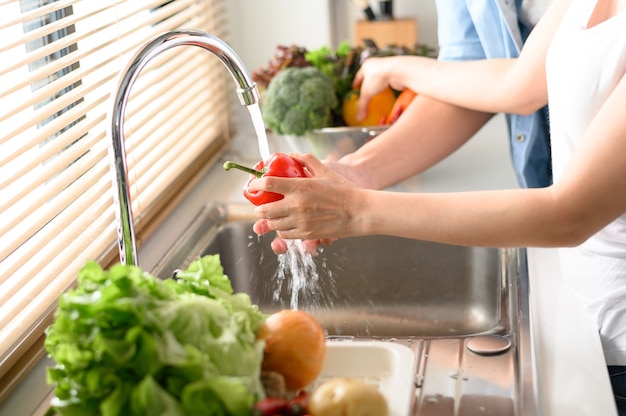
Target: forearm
488,219
493,85
427,132
326,205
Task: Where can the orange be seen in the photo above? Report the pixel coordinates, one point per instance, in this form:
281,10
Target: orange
378,108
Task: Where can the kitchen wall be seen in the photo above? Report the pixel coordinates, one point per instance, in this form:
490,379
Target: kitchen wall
346,14
258,26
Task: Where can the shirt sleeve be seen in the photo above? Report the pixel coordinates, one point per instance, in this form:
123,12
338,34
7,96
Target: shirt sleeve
458,39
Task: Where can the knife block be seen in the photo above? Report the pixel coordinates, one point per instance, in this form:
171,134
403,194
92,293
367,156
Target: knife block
400,32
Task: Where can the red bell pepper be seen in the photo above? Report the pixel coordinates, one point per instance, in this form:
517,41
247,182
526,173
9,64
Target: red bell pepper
402,102
278,164
270,406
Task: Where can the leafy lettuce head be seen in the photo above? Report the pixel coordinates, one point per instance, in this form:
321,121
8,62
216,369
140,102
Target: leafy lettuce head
128,343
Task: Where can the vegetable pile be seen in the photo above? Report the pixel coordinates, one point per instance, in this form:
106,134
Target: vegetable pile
284,57
127,343
303,112
339,396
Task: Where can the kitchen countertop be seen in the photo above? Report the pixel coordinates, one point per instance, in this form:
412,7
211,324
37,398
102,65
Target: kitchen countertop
571,374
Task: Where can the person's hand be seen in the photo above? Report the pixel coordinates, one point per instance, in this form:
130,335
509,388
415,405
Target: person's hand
374,75
319,208
358,177
279,245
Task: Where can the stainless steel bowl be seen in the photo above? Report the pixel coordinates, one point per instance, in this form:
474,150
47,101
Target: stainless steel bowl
333,142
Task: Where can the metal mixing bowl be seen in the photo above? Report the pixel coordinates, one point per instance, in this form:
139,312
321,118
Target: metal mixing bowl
333,142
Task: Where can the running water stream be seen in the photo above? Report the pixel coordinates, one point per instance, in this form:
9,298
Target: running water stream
296,268
259,128
296,265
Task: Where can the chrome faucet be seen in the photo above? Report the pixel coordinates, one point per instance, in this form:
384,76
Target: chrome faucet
247,91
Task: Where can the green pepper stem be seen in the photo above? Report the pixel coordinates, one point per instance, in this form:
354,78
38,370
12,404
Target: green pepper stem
228,165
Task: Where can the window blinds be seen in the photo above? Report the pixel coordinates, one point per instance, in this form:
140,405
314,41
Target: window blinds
59,61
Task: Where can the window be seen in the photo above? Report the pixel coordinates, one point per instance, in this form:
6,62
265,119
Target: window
59,62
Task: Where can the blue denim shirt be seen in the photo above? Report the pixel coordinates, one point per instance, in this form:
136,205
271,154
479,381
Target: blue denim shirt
479,29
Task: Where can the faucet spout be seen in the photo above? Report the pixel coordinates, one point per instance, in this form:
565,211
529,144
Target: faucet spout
246,89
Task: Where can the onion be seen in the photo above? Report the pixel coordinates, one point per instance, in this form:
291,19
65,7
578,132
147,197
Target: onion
295,346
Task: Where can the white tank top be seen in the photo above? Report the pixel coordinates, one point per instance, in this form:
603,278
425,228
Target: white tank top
583,67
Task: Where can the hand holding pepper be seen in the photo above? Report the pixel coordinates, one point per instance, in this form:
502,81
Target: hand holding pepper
278,164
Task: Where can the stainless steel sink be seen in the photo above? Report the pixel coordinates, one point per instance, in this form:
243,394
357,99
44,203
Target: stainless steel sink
440,300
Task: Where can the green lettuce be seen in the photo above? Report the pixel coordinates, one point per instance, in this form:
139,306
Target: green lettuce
127,343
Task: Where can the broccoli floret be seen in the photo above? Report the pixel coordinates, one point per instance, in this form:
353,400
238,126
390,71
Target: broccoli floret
298,100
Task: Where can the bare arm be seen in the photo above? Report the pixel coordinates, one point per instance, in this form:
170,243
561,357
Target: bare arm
427,132
589,196
488,85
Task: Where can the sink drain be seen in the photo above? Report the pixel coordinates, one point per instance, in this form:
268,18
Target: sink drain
488,344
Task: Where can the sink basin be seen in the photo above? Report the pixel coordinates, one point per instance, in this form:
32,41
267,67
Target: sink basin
463,311
377,286
369,286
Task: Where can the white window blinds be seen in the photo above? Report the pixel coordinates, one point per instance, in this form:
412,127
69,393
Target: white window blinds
59,61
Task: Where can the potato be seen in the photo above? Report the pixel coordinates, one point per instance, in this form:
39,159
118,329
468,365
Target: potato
345,396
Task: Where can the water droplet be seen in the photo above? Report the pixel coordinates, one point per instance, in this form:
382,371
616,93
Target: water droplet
297,268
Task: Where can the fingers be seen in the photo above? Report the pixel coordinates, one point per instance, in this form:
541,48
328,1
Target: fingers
274,217
326,241
310,246
366,82
312,165
261,227
358,80
279,246
273,184
308,206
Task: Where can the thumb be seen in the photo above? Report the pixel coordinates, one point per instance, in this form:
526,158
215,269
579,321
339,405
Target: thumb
312,164
362,106
358,80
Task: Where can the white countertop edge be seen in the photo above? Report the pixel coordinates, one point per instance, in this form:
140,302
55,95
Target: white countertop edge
571,371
